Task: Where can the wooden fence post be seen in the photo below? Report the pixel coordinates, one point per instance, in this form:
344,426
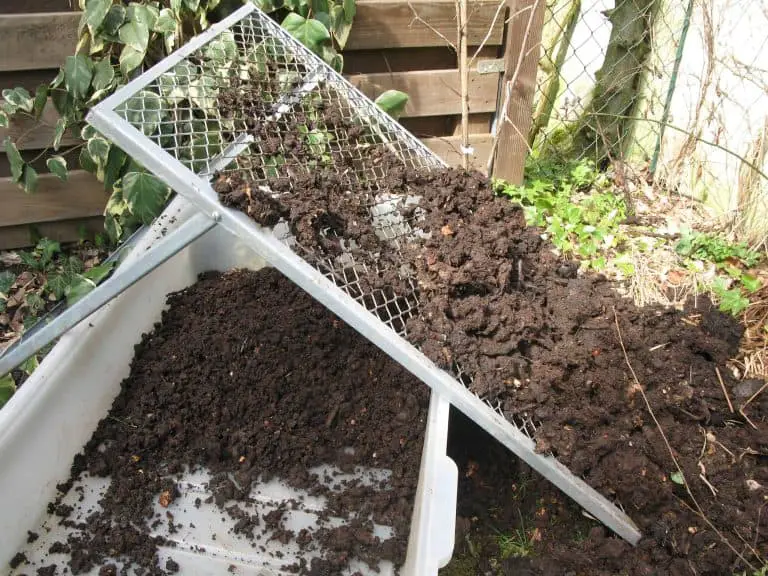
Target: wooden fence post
521,59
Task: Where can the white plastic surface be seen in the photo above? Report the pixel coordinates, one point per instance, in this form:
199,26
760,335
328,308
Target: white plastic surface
55,413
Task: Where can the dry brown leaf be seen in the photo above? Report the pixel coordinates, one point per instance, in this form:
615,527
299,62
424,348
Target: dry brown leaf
165,498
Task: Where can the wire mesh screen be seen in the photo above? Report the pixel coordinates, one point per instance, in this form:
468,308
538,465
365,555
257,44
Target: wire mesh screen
253,106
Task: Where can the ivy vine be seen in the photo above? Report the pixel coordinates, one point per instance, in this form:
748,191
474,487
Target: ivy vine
117,40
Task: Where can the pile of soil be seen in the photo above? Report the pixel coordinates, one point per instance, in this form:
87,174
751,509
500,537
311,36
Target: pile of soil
248,377
539,339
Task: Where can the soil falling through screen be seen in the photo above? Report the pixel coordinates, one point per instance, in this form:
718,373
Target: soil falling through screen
249,379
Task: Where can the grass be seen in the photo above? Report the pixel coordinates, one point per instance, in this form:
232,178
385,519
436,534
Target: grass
516,544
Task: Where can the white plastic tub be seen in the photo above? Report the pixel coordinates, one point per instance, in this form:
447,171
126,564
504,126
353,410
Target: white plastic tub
57,410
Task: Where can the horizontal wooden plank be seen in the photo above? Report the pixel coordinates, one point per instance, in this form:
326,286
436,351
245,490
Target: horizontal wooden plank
29,79
80,197
407,24
432,92
449,149
407,59
30,134
42,40
64,231
28,6
37,41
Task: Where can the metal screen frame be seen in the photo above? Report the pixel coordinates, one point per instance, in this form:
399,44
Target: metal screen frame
199,191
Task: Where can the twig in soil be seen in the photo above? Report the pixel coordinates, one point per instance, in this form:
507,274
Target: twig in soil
703,478
744,415
755,395
698,511
722,385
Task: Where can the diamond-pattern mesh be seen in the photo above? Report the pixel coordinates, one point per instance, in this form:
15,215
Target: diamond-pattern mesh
252,102
575,45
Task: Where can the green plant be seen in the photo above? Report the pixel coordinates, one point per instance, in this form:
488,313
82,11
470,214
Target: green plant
574,204
516,544
701,246
733,284
116,41
732,301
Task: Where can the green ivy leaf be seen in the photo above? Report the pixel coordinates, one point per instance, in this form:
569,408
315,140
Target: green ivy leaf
176,6
19,98
30,364
114,19
30,179
341,28
7,278
393,102
78,72
350,9
144,194
86,162
95,12
35,303
165,23
41,99
58,132
14,159
203,92
57,165
57,285
63,102
103,75
192,5
7,389
135,33
151,14
115,163
319,6
4,120
130,59
324,18
98,149
751,283
312,33
265,5
144,111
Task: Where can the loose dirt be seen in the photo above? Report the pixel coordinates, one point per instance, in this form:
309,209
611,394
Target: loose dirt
248,377
529,333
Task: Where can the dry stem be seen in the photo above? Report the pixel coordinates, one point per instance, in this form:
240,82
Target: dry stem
722,385
461,23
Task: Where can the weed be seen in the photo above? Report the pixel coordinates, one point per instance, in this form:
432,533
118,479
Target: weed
733,284
701,246
574,204
517,544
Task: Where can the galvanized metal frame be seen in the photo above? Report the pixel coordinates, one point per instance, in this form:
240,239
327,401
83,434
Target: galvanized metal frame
198,190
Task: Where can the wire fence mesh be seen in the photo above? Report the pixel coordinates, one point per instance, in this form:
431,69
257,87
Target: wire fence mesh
676,88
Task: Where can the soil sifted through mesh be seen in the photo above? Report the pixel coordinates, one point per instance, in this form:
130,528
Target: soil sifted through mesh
248,377
534,337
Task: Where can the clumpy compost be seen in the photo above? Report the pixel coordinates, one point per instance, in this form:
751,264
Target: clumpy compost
250,378
524,329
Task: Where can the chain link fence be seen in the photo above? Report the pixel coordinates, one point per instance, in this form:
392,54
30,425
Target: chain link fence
675,88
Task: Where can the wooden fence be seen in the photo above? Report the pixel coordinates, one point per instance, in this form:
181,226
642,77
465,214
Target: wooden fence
394,44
